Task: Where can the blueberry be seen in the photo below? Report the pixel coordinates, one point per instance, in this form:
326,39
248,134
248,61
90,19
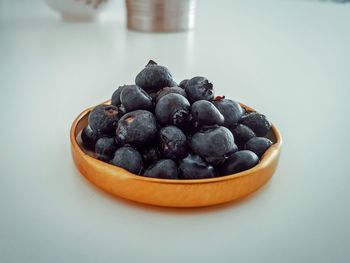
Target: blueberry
115,100
135,98
231,110
129,159
199,88
164,168
89,137
172,109
168,90
154,77
258,145
205,113
173,142
104,119
150,154
242,134
188,126
183,83
105,148
214,145
238,162
257,122
138,128
194,167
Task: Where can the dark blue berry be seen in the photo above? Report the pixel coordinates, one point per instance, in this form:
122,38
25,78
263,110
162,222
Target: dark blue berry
104,119
172,142
189,127
214,145
129,159
172,109
138,128
258,145
231,110
105,148
135,98
238,162
154,77
168,90
205,113
150,154
115,100
164,168
199,88
183,83
201,138
194,167
242,134
257,122
89,137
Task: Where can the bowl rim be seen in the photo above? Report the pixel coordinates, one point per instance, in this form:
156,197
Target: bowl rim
264,160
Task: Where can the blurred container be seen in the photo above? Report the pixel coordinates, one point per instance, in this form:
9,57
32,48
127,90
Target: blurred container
160,15
78,10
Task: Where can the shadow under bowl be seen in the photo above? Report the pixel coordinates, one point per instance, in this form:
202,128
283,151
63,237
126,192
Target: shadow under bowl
169,192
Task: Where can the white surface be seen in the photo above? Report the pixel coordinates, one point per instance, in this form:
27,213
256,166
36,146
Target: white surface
288,59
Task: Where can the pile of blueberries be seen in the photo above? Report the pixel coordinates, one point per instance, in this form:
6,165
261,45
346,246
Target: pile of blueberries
158,128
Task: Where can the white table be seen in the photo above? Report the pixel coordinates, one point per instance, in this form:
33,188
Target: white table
288,59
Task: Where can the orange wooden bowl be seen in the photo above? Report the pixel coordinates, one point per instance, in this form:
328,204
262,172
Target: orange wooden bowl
168,192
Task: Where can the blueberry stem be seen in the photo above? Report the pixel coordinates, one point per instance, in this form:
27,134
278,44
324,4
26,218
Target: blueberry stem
151,63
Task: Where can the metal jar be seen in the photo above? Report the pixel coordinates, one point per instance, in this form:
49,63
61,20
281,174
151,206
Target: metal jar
160,15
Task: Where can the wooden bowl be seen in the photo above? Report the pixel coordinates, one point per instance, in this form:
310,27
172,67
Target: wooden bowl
167,192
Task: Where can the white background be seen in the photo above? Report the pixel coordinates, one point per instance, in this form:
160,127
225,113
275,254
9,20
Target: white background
288,59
